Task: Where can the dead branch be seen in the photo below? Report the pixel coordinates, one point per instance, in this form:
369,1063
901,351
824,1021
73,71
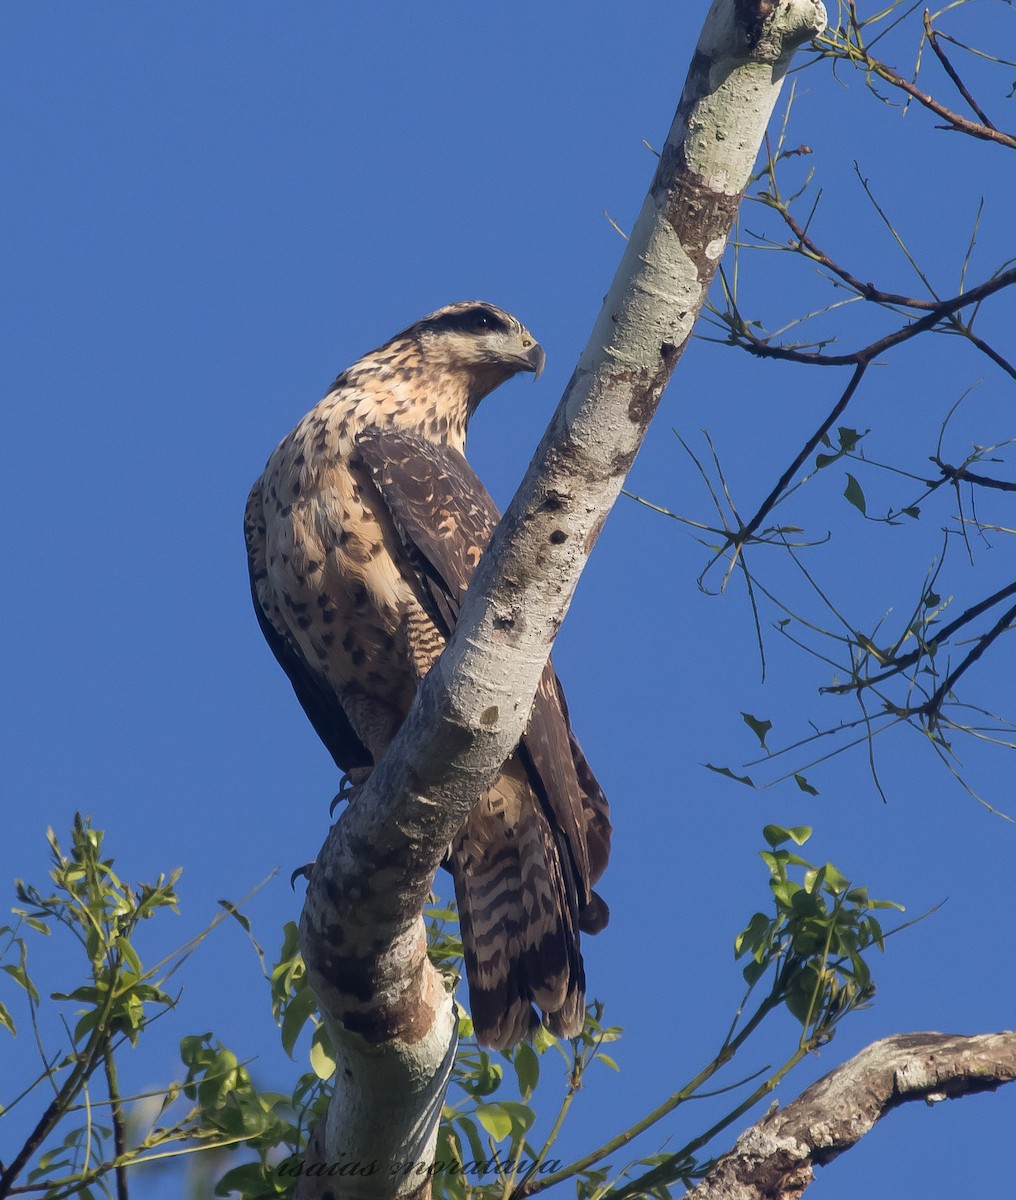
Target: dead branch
776,1158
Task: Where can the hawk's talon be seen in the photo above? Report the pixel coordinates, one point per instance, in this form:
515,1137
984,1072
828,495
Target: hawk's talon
349,785
305,871
344,792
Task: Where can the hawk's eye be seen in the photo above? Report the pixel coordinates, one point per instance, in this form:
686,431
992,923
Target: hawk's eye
481,320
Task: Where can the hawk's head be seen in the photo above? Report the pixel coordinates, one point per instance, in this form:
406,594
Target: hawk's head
479,340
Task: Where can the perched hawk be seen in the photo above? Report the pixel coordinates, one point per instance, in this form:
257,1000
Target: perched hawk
362,536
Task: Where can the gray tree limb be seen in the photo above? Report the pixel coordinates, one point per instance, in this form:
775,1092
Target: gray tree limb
388,1012
776,1158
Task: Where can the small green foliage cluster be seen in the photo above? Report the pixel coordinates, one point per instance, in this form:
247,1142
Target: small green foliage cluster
69,1151
484,1136
102,913
814,945
79,1146
808,955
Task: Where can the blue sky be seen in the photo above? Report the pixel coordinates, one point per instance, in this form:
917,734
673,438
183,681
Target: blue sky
210,211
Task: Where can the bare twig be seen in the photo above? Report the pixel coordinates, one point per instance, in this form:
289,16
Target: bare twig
943,635
945,308
990,352
962,475
1004,622
950,70
867,291
862,58
784,481
119,1124
87,1060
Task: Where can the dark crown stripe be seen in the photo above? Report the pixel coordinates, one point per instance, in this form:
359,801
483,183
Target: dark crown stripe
476,318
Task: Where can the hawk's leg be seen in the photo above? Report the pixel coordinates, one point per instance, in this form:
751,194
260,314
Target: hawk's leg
349,785
375,724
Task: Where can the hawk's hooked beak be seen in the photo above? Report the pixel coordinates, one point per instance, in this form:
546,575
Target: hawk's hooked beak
534,360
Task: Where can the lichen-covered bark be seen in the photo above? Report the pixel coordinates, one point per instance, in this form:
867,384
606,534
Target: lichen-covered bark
362,934
775,1159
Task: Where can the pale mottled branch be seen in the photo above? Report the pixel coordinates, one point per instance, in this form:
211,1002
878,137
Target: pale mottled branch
776,1158
363,938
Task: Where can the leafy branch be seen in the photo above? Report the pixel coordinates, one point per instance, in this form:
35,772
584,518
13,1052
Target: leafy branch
811,951
118,1004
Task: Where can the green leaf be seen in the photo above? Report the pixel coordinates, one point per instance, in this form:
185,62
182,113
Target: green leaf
248,1180
758,726
755,935
192,1048
730,774
298,1012
21,976
777,863
754,971
784,890
911,510
494,1120
441,914
543,1039
801,994
476,1147
321,1057
235,913
130,955
848,439
861,972
805,786
527,1069
521,1115
488,1076
776,835
834,879
466,1024
6,1020
85,1025
49,1160
814,879
854,494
